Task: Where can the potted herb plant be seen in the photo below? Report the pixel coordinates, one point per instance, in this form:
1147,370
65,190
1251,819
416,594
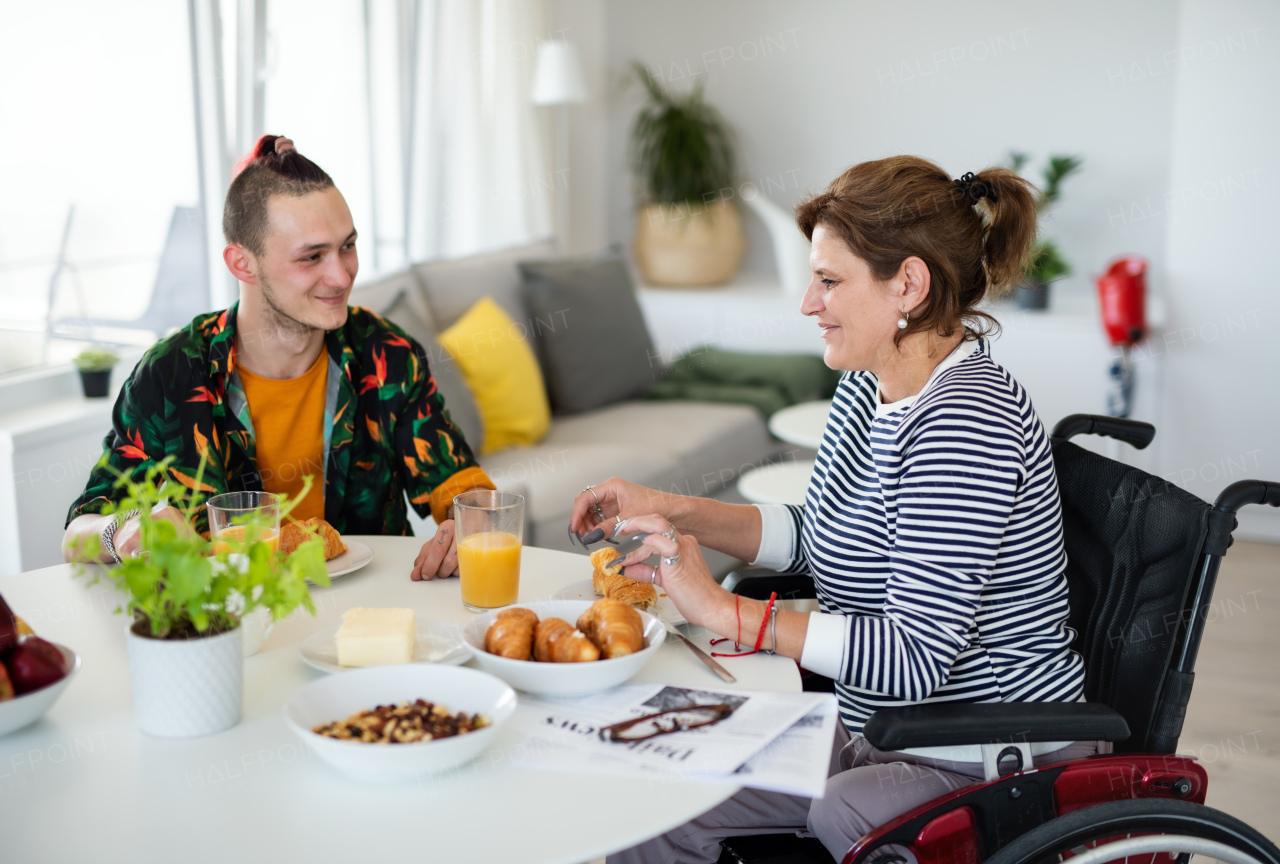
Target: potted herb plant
1046,263
687,230
186,602
94,365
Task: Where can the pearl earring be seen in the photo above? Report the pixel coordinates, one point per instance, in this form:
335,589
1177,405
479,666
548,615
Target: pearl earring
902,322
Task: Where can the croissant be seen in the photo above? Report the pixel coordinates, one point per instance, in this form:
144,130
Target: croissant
613,627
557,641
510,634
608,581
295,534
602,560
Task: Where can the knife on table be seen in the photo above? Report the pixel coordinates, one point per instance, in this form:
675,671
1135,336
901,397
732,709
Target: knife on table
698,652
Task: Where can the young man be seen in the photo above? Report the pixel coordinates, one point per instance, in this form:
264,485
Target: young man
288,382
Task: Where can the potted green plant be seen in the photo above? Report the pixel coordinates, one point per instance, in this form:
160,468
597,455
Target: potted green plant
186,602
688,230
1046,263
94,365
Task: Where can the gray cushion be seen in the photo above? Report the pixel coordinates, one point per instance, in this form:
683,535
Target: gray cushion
594,349
709,444
454,286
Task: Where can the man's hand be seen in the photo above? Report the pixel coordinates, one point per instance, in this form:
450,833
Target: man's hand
129,535
439,555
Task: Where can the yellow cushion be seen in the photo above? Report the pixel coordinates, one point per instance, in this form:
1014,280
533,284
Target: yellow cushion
494,355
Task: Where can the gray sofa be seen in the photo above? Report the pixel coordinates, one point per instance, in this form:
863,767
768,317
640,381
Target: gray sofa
692,448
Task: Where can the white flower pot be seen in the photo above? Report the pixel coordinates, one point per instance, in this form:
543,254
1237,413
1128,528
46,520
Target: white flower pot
183,688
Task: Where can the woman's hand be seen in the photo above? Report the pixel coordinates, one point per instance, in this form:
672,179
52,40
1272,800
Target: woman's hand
438,557
613,498
681,572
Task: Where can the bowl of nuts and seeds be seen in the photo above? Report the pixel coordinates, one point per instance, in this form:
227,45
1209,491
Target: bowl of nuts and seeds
389,723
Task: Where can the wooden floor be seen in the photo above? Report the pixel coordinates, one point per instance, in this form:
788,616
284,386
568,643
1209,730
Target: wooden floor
1233,721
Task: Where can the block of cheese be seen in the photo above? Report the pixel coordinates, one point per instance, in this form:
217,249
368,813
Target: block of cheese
375,637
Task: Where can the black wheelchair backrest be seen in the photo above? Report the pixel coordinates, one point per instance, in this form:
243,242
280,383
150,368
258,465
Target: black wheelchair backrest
1142,557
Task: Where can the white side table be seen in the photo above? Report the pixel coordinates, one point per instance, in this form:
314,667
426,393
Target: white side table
786,483
802,424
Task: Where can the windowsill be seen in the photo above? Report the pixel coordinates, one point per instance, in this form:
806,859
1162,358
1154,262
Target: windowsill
42,387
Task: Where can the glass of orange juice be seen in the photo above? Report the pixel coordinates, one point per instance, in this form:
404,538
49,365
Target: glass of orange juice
490,528
230,512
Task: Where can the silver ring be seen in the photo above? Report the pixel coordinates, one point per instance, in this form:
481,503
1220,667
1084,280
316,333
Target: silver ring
592,490
621,521
672,561
670,535
654,577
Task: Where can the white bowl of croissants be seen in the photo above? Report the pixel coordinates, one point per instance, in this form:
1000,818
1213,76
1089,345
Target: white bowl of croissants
564,647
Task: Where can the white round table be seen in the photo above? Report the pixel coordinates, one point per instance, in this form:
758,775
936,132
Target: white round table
787,482
84,784
784,483
801,424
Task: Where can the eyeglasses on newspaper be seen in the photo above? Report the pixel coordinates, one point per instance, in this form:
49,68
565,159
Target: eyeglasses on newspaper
666,722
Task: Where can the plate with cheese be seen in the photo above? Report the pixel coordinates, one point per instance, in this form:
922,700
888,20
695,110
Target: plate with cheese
380,637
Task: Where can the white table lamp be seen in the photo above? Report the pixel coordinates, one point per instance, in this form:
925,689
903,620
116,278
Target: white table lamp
558,83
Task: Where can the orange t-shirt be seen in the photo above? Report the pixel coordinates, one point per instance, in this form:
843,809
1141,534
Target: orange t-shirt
288,430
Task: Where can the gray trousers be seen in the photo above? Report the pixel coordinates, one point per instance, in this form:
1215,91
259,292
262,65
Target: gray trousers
866,788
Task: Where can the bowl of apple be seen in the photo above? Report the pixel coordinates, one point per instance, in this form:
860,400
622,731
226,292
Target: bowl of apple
33,672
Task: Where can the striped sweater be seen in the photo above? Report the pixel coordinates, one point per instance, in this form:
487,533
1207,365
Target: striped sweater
933,531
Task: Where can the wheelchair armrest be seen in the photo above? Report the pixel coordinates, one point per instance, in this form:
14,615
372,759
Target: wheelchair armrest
1133,432
942,724
758,582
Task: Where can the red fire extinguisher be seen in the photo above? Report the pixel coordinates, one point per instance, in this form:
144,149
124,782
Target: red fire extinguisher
1122,292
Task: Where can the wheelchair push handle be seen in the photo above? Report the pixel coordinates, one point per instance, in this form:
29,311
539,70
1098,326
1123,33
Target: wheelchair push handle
1245,492
1133,432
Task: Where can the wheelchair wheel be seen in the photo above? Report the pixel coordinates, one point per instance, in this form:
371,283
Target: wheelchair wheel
1104,824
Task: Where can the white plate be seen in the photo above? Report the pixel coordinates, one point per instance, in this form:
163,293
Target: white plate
30,707
339,696
438,642
357,555
562,679
664,608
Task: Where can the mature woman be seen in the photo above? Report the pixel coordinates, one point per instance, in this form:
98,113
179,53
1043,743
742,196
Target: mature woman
931,526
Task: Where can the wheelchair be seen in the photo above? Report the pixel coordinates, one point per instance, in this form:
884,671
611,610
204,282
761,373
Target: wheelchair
1143,558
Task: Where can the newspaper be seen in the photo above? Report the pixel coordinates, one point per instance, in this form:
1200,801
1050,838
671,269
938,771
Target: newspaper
779,741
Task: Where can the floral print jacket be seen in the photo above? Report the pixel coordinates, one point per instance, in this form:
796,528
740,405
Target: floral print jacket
386,429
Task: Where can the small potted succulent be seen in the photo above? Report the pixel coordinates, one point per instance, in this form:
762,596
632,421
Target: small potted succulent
1046,263
187,599
95,366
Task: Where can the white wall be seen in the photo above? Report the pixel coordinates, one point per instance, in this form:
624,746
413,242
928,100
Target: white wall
1174,135
814,87
1222,417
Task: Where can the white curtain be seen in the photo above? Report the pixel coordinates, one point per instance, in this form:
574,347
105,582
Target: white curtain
476,174
419,110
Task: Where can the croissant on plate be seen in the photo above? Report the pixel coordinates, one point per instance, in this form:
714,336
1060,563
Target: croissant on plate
294,534
557,641
613,627
510,634
608,581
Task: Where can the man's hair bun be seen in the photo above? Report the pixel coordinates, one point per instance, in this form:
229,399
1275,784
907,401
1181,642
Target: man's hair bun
260,175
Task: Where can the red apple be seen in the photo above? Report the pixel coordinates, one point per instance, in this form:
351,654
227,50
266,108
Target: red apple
8,628
35,663
6,686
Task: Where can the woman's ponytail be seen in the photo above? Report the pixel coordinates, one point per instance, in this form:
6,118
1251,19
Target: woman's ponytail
1010,230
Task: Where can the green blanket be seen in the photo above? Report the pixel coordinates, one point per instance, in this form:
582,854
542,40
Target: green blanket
767,382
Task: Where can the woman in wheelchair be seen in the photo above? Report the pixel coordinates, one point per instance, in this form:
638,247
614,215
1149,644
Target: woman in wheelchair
932,525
